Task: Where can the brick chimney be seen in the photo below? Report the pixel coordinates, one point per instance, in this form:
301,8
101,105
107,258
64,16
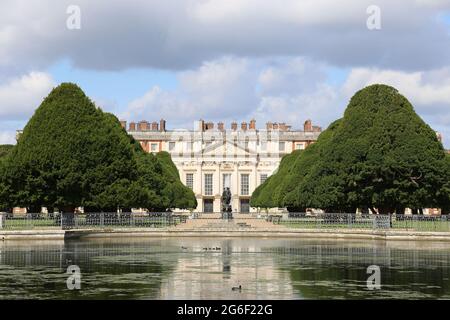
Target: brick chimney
143,125
307,127
154,126
234,126
275,126
209,126
220,126
253,124
244,126
269,126
162,125
123,124
282,126
132,126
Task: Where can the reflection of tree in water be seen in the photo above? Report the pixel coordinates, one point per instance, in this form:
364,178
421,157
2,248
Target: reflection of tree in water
109,270
322,271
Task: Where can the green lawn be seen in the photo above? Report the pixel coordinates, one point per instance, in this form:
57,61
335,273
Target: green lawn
24,224
322,225
426,225
46,223
430,225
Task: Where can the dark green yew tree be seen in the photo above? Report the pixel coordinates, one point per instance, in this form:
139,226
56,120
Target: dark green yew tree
267,194
5,149
381,154
72,154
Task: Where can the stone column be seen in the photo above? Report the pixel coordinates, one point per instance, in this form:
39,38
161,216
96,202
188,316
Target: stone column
2,217
198,182
235,191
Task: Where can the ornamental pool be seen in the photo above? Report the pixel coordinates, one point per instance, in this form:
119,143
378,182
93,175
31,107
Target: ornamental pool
208,268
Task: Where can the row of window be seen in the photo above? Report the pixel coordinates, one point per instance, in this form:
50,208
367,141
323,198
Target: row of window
281,146
226,182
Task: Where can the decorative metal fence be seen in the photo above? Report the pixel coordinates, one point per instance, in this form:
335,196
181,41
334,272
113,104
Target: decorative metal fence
366,221
164,219
90,220
334,221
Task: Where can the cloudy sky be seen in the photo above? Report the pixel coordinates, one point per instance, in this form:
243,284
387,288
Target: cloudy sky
227,60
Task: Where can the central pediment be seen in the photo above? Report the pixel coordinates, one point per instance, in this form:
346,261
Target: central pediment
226,149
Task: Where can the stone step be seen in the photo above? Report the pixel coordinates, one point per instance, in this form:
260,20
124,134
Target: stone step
233,224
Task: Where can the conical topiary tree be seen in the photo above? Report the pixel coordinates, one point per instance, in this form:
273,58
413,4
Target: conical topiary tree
383,155
72,154
379,155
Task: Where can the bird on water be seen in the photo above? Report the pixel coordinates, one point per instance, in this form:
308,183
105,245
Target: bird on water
237,288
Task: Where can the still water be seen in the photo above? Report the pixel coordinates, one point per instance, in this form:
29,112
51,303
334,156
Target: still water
208,268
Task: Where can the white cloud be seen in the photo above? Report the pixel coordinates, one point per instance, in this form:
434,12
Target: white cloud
423,89
322,105
7,137
19,97
284,90
219,89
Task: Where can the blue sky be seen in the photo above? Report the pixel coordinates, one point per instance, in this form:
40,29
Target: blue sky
115,88
183,60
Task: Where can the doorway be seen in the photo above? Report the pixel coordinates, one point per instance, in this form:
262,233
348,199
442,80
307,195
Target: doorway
208,205
245,205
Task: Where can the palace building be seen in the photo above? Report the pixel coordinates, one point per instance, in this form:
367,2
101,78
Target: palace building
211,157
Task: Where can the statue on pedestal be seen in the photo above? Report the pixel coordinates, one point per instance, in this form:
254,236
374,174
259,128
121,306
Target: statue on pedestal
226,206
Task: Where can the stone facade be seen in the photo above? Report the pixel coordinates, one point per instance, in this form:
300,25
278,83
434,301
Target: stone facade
210,158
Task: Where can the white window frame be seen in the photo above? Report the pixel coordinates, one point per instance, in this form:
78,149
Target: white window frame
190,180
245,188
208,187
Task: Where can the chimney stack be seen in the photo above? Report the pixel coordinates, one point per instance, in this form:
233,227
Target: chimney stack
307,126
269,126
209,126
123,124
275,126
132,126
220,126
143,125
234,126
162,125
253,124
244,126
154,126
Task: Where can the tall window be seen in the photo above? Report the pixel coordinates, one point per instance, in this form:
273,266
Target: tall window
226,180
281,146
262,178
190,180
299,146
171,146
208,184
244,184
154,147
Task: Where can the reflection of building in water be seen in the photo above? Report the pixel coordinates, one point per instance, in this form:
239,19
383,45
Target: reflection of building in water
212,274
